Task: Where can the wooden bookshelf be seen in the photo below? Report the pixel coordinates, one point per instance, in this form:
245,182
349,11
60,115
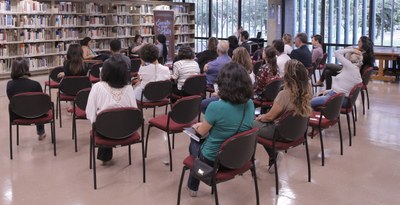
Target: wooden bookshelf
43,30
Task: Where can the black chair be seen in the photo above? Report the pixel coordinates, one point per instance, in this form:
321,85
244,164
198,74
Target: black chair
366,77
39,111
194,85
135,65
327,116
79,112
287,126
350,108
53,81
68,88
235,157
183,114
94,73
157,94
115,128
269,94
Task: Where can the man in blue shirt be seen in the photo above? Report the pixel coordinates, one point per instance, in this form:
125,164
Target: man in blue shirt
212,68
302,53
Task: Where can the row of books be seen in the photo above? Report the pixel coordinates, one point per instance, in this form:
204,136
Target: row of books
9,36
110,32
8,20
183,19
183,39
68,7
95,8
30,6
66,20
35,20
36,34
34,63
180,9
183,29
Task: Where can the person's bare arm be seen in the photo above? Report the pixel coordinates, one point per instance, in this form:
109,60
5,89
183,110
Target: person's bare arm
202,127
274,113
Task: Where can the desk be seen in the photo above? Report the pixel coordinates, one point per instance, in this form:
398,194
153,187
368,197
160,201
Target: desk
383,54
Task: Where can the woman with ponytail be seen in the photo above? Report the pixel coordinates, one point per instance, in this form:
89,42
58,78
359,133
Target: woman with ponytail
267,73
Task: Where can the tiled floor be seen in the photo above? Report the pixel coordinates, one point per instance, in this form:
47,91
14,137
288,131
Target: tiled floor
367,173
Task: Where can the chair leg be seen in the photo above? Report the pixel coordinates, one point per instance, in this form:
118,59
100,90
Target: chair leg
11,151
253,171
74,133
129,155
173,140
366,91
308,157
166,109
17,135
354,122
355,112
363,101
154,112
180,185
143,160
90,153
53,136
322,147
214,185
340,135
170,152
348,125
147,140
94,167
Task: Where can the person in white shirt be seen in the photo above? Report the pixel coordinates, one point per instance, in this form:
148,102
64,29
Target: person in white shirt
185,67
351,59
282,57
288,40
150,70
113,91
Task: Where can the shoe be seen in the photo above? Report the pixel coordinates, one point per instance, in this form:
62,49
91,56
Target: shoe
41,136
278,159
192,193
313,133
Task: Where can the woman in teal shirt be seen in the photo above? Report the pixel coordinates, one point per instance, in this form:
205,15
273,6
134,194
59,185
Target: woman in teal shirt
223,118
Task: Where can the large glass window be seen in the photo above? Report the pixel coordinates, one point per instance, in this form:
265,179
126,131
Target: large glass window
387,23
254,17
224,18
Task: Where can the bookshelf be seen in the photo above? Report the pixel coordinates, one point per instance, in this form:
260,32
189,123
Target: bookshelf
43,30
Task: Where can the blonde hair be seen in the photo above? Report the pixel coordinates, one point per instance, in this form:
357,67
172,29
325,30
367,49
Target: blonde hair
241,56
355,58
287,39
296,82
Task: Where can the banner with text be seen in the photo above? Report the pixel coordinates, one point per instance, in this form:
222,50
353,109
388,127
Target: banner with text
164,24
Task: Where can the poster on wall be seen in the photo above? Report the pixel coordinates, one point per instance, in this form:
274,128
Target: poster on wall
164,24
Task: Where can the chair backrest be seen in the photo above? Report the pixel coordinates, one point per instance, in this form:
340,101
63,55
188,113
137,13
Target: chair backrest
39,104
238,150
256,67
272,89
291,126
135,65
82,98
195,85
186,109
54,73
367,75
353,95
324,58
71,85
118,123
332,106
95,70
157,90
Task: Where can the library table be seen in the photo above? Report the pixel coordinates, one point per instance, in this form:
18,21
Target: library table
383,54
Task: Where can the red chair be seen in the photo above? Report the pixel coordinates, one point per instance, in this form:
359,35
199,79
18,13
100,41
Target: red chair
288,126
68,88
351,101
269,94
115,128
53,80
39,111
79,112
94,73
235,157
327,116
157,94
366,77
183,114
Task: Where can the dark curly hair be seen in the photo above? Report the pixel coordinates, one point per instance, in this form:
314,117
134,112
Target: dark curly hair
234,84
149,53
185,52
115,72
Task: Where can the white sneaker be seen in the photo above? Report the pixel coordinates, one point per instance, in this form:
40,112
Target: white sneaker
278,159
41,136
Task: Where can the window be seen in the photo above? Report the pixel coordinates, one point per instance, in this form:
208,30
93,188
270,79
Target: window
254,17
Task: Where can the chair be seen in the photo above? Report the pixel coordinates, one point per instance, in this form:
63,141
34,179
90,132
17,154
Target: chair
135,65
327,116
288,126
94,73
39,111
115,128
351,100
366,77
183,114
68,88
256,66
156,92
235,157
269,94
79,112
53,80
320,65
194,85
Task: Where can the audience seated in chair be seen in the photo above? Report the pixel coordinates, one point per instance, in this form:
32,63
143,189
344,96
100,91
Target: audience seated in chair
208,55
88,53
282,57
233,44
267,73
115,48
74,65
295,96
114,91
302,53
212,68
